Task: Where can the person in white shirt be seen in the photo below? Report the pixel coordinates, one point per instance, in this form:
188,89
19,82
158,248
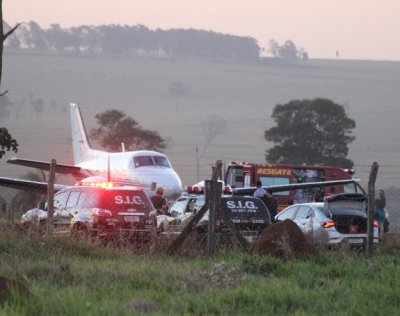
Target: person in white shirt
259,192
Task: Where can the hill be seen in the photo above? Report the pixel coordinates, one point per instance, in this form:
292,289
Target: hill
183,100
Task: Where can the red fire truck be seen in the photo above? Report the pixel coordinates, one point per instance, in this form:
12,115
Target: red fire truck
243,174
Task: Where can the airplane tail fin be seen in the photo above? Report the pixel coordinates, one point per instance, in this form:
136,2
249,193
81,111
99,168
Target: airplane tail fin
80,143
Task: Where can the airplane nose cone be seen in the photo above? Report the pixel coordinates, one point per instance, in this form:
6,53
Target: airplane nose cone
171,183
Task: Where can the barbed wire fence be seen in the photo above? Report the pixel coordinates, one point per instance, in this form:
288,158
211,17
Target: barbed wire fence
13,203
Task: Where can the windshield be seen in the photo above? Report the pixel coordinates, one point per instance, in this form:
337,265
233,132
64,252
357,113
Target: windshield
234,177
160,161
270,181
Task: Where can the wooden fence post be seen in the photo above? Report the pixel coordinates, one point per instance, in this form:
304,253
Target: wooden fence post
214,201
50,197
371,208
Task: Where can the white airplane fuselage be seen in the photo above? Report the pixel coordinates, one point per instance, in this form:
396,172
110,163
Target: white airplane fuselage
145,168
121,168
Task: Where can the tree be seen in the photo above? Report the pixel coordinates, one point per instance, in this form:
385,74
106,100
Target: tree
213,126
287,51
7,143
312,132
116,128
3,37
6,140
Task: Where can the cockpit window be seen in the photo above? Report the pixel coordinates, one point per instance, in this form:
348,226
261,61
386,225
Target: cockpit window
143,161
159,161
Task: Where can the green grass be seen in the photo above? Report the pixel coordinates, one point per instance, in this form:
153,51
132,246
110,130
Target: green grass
68,277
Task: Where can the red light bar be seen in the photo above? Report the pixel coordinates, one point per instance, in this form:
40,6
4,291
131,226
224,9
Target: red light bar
96,184
195,189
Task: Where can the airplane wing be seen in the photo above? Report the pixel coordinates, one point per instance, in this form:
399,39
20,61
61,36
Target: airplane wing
293,186
77,172
28,185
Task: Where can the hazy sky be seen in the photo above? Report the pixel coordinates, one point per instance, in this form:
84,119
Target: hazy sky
357,29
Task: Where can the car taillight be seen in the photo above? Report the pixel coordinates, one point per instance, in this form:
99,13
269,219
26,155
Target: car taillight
101,213
328,224
376,224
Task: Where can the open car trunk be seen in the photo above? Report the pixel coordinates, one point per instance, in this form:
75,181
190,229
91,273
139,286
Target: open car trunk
347,210
350,222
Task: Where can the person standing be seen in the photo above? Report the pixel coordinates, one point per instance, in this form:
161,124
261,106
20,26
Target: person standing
300,197
382,197
379,216
259,192
271,203
159,202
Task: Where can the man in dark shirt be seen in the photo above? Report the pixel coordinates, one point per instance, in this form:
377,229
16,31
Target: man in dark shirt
159,202
271,203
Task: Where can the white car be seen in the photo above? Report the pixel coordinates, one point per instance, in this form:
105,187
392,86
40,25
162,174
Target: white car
341,218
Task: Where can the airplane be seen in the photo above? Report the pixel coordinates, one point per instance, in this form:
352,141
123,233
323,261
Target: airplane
143,168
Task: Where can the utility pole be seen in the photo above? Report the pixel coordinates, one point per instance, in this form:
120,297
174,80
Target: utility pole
197,164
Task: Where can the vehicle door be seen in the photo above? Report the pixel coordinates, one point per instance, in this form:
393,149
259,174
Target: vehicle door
178,208
72,203
82,211
304,219
60,214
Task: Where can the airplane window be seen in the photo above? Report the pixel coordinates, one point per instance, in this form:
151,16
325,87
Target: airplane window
141,161
161,161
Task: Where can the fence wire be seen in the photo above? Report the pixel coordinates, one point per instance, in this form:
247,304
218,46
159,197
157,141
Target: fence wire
14,203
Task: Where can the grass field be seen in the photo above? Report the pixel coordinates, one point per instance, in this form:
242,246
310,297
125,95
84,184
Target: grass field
67,277
243,96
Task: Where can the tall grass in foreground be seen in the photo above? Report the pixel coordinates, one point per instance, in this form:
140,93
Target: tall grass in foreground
67,277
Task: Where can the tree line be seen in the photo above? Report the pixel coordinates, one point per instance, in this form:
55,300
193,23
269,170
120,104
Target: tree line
140,41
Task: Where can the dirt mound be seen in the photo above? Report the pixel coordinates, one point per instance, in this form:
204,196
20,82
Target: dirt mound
283,240
8,286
